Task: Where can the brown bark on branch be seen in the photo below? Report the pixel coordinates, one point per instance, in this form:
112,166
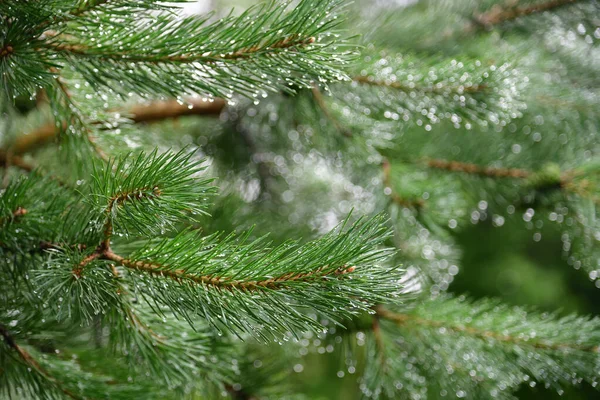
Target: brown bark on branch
498,15
396,198
151,112
31,362
10,160
409,319
81,50
474,169
368,80
221,282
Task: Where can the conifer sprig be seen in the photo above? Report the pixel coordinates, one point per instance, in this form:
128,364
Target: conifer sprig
481,349
119,262
234,284
268,291
242,285
410,89
149,193
266,48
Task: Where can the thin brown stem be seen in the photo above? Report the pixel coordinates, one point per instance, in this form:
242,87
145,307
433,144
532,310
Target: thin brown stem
499,15
474,169
151,112
31,362
81,50
10,160
396,198
78,271
409,319
566,181
222,282
320,101
367,80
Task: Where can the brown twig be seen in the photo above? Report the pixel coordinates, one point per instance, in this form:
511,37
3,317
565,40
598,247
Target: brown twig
79,49
221,282
368,80
468,168
320,101
162,110
408,319
499,15
30,361
396,198
151,112
11,160
77,271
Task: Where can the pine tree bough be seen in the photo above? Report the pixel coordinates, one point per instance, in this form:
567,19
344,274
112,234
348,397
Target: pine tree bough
142,113
224,283
117,283
492,172
396,198
31,362
413,320
543,179
499,14
105,252
367,80
291,42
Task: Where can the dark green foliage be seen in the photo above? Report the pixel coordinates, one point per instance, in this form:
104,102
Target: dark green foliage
345,169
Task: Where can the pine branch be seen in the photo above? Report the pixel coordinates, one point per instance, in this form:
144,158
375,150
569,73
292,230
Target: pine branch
397,87
339,274
31,362
322,288
499,15
437,89
288,43
141,113
417,204
467,168
149,193
266,48
274,283
481,349
410,320
548,177
268,286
